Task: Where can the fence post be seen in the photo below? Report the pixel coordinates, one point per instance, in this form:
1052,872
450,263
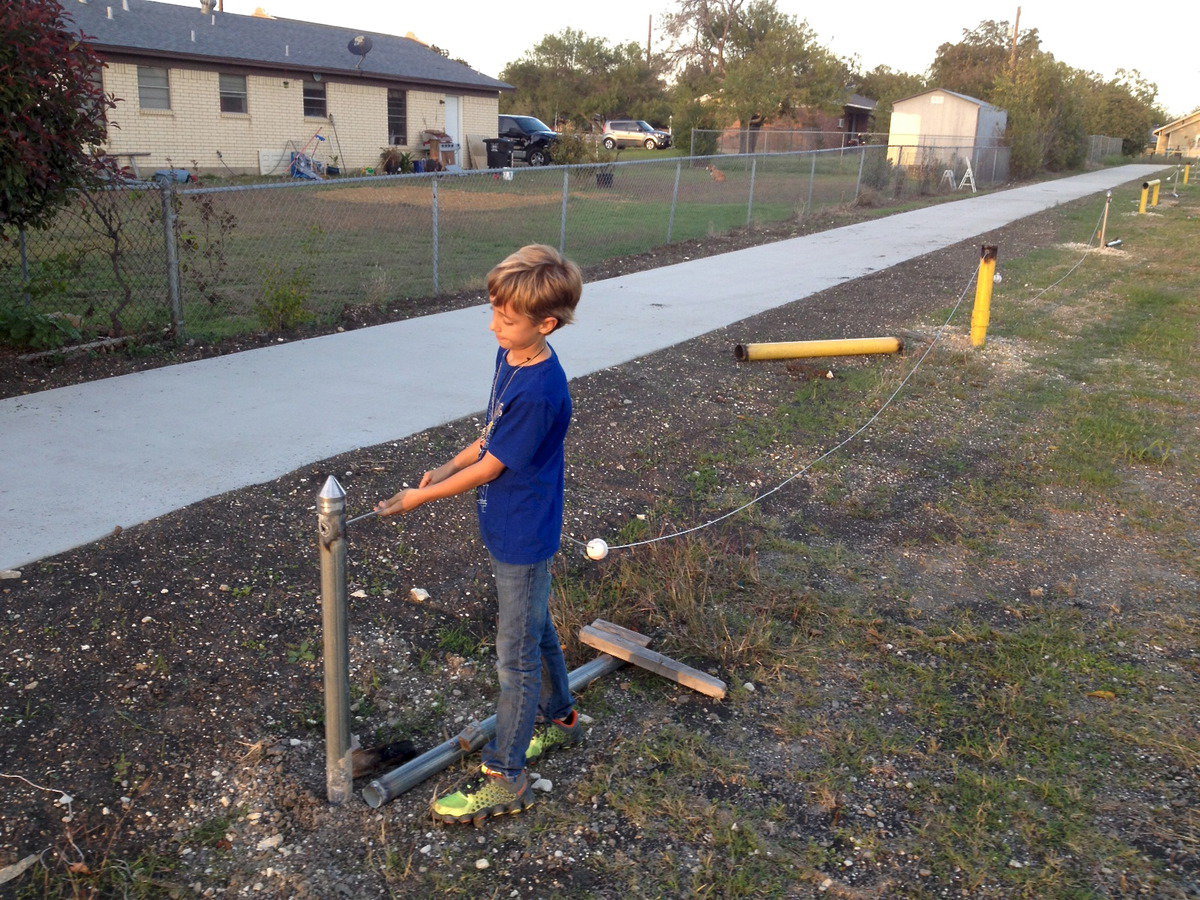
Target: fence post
562,228
812,177
674,202
25,262
437,287
862,158
331,531
692,148
750,203
170,239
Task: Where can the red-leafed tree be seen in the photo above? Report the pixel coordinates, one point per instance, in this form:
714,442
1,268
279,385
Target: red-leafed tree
52,112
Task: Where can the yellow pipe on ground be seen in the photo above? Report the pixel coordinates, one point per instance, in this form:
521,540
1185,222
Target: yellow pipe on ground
803,349
1145,196
1187,173
1157,185
981,315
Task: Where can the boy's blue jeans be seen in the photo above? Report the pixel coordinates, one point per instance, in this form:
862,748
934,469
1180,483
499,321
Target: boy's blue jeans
533,672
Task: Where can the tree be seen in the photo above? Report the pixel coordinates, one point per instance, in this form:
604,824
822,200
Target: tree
753,59
52,111
1122,107
973,65
1045,114
886,86
580,78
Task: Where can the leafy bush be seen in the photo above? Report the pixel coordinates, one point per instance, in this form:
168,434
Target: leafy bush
573,148
23,328
283,303
693,117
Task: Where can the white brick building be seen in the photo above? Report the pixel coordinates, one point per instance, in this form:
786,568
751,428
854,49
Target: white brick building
232,92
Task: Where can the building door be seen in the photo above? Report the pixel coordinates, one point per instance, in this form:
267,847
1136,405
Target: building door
454,118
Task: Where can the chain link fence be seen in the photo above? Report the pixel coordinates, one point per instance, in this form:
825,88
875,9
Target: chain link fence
708,141
215,262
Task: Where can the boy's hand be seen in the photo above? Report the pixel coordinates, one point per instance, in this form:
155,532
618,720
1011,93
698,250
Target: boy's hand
402,502
441,473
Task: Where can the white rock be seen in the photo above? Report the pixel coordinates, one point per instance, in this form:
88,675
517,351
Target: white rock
10,573
270,843
31,685
147,620
418,595
426,849
749,685
359,593
543,784
295,742
482,863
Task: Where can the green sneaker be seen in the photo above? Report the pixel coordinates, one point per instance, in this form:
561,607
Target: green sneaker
555,735
482,796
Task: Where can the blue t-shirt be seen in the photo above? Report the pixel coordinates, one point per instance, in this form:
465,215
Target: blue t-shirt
521,512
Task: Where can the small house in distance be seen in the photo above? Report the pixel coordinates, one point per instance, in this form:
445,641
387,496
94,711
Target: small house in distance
1180,137
235,93
937,126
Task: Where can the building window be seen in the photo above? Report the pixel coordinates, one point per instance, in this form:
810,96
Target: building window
233,93
154,88
397,113
314,99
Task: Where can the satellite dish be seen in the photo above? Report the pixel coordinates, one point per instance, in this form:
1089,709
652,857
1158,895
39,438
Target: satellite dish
360,46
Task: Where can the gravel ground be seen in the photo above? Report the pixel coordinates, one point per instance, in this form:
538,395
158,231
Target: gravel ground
168,677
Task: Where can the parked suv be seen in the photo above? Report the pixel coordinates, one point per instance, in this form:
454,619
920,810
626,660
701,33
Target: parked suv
634,133
533,140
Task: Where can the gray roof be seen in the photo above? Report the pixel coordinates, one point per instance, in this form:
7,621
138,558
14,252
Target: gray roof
858,101
146,27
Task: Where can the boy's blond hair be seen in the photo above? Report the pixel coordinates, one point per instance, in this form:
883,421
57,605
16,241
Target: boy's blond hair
537,281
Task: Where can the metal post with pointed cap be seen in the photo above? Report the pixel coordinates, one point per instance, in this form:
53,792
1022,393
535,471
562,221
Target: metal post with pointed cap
331,540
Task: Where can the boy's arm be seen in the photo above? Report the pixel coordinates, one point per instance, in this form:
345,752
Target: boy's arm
465,457
472,476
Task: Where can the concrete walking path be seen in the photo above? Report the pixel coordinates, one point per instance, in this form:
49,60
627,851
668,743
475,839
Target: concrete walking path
77,461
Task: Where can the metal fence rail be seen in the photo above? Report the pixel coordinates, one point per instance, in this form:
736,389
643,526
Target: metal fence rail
217,261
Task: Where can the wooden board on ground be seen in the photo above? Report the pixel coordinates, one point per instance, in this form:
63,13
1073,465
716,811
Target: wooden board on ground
618,646
617,631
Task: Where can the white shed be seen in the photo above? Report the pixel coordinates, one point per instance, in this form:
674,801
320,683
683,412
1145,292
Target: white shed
942,118
940,126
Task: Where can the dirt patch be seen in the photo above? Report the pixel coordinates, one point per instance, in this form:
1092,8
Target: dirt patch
168,678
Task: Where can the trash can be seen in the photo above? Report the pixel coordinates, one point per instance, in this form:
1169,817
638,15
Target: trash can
499,152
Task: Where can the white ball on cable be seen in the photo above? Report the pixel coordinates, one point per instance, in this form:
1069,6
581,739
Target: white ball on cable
998,278
597,548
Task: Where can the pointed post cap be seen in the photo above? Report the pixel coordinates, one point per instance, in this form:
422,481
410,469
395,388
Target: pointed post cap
332,497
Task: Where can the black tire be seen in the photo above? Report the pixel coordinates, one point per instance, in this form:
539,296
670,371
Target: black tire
650,144
537,157
610,144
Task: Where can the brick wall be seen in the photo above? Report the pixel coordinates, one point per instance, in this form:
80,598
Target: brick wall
194,129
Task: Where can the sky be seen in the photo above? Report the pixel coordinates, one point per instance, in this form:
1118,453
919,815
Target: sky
904,36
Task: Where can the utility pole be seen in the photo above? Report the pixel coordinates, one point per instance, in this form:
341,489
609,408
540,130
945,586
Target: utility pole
1012,60
649,33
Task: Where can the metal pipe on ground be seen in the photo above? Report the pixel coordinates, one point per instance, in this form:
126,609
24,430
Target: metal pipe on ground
805,349
388,787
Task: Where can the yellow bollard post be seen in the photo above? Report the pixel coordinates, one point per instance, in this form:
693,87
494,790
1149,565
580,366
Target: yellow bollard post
1104,221
1157,183
1145,198
1187,173
982,313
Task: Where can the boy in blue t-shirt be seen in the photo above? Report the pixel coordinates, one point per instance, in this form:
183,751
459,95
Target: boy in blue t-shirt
517,469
